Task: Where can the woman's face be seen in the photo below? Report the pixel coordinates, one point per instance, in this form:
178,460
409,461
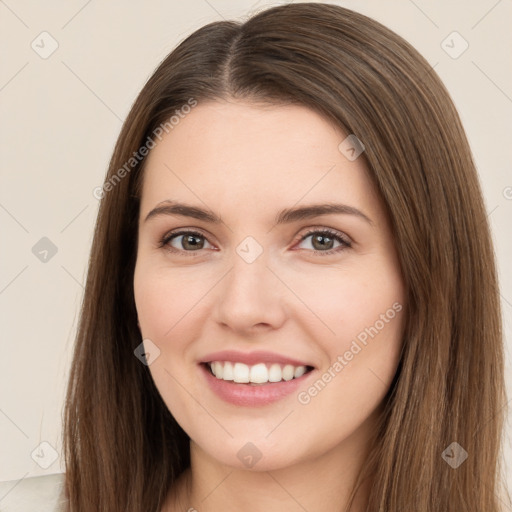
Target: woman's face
266,284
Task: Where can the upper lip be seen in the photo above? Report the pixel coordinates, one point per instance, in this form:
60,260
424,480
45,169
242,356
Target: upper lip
251,358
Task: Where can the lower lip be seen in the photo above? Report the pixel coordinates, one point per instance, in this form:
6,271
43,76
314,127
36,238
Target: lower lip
248,395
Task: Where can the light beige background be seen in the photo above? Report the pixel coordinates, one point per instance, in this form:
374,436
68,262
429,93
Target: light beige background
60,117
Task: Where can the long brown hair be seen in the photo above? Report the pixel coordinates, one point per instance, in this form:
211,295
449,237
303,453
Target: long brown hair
123,448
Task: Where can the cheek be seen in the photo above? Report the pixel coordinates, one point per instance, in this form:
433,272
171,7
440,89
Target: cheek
358,323
340,303
152,303
365,309
172,310
163,299
165,306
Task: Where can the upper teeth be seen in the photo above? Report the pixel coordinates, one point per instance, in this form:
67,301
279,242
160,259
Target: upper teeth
257,374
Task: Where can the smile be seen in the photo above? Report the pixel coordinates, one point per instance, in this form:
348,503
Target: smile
256,385
260,373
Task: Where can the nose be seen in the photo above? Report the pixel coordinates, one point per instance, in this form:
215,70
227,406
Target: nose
251,297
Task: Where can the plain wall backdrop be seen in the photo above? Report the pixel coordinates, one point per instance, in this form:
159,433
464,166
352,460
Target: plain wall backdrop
70,72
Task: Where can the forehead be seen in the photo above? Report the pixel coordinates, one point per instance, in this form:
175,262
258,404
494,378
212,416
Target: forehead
233,154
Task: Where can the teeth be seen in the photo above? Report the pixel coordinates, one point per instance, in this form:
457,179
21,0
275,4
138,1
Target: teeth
288,372
227,372
218,369
275,374
260,373
299,371
241,373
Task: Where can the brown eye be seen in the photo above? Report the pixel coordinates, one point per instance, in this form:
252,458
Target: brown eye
322,241
186,241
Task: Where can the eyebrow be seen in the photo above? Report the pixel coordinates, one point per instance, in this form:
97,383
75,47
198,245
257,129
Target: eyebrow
286,216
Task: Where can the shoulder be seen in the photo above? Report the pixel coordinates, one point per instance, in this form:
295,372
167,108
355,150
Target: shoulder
41,493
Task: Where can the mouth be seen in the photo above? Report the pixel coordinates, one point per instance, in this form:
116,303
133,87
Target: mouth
259,374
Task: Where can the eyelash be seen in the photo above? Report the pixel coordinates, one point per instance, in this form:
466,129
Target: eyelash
345,243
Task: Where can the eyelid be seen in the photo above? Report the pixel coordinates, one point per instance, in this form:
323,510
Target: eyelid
325,229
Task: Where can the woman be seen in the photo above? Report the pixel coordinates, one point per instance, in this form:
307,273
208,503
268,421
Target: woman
292,300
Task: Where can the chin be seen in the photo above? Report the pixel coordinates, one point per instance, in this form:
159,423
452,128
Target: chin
255,456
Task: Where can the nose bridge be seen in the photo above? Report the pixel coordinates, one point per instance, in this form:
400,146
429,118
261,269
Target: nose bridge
250,293
249,275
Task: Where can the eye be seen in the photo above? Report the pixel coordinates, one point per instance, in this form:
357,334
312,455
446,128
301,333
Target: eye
191,241
324,239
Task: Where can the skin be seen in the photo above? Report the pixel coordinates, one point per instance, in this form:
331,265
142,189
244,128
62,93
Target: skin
246,162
